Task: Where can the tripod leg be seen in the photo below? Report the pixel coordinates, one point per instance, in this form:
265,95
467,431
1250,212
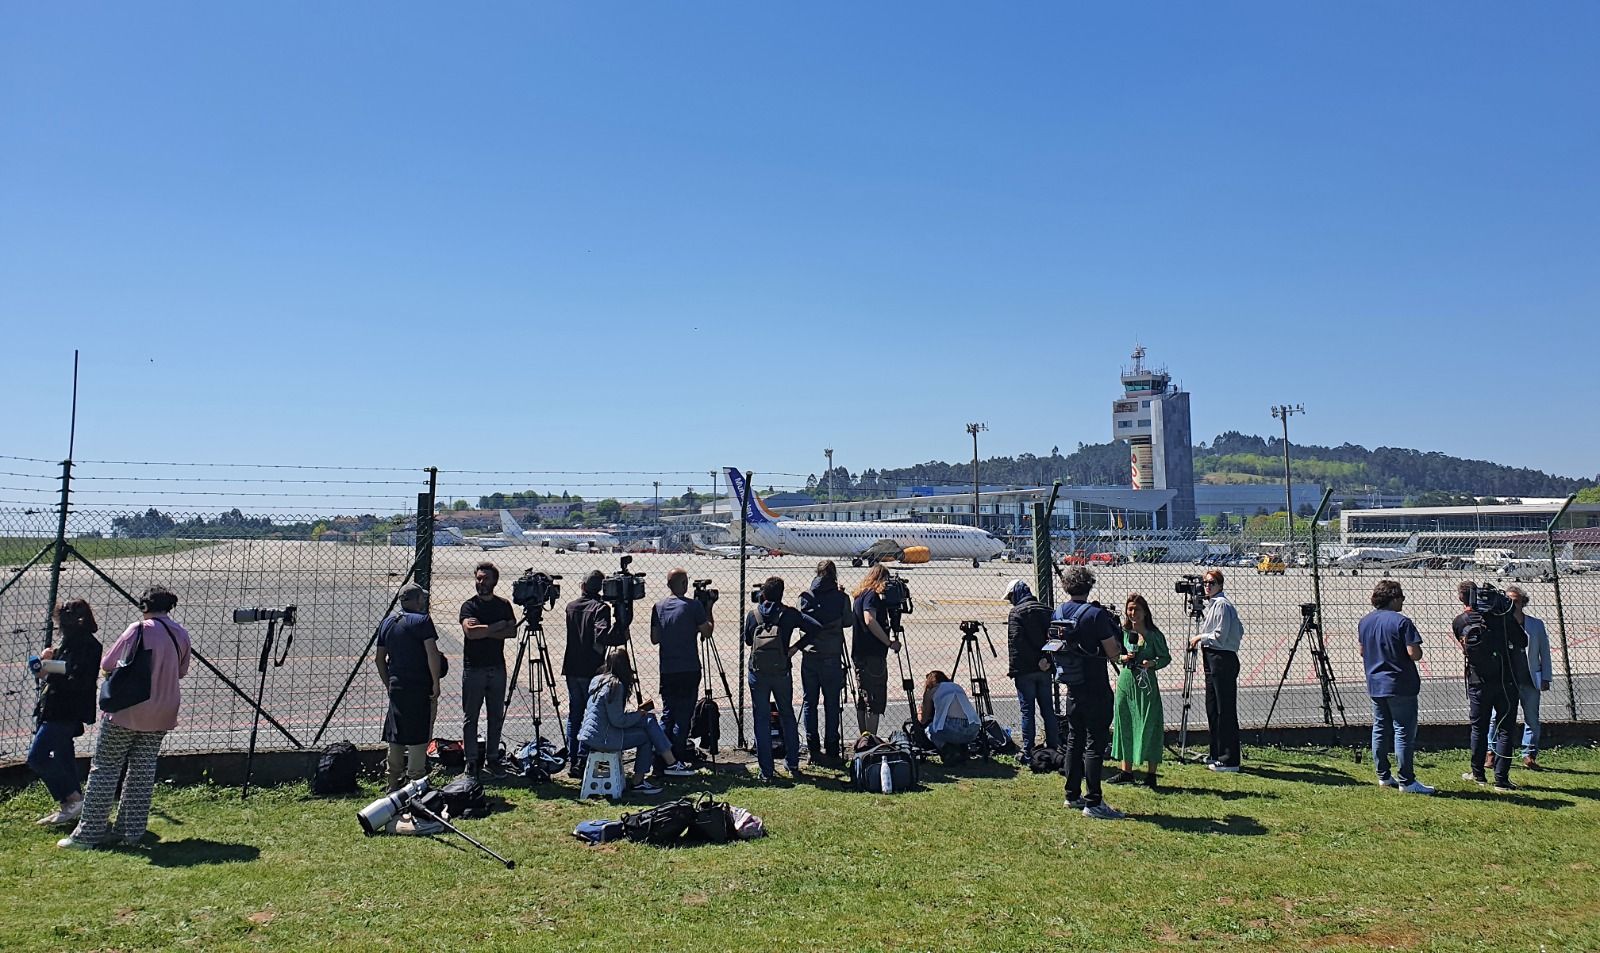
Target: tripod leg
1190,658
416,808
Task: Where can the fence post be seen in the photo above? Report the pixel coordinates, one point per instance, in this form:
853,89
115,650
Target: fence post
744,559
1042,583
424,558
59,556
1561,615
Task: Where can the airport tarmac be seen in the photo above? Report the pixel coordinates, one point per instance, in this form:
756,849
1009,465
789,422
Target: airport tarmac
342,591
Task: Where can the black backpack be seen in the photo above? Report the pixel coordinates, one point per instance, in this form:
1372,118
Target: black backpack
662,825
463,798
706,723
1047,761
337,768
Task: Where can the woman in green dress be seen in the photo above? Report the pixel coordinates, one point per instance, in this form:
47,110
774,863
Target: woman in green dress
1138,726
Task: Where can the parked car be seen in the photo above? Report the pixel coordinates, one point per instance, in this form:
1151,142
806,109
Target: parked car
1270,564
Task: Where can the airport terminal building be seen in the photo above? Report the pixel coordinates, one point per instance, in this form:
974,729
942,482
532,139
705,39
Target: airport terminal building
1459,528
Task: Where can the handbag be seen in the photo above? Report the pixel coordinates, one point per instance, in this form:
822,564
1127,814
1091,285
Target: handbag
129,683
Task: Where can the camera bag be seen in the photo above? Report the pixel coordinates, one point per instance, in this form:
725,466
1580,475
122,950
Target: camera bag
1047,761
706,723
713,820
866,769
336,772
768,655
450,752
662,825
463,798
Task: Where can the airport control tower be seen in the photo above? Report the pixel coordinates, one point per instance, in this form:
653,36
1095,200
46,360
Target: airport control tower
1152,415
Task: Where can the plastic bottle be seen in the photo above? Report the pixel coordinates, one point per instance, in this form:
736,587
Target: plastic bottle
885,776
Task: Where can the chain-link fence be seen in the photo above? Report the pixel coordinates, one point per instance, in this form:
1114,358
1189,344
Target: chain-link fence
342,574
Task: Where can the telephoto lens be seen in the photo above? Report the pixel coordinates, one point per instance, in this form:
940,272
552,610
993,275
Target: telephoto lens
375,817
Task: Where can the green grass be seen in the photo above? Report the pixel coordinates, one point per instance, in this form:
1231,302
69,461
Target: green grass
1301,852
17,550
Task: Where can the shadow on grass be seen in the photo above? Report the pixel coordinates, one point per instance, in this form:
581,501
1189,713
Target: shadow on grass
1520,800
197,851
1306,774
1214,792
1592,794
1235,825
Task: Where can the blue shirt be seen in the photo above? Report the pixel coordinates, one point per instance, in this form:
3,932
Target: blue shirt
1391,671
402,636
675,626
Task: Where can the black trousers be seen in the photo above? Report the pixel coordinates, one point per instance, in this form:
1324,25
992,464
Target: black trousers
1222,705
1484,701
1089,709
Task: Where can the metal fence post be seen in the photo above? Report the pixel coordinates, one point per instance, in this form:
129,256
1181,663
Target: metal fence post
744,560
60,555
1561,614
1042,583
425,504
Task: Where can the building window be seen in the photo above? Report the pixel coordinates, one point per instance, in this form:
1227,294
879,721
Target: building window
1124,424
1144,403
1145,422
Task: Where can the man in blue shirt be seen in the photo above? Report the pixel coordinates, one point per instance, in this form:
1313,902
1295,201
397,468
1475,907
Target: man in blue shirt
1390,648
676,624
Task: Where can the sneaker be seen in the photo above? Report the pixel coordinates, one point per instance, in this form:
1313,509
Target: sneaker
1388,783
679,770
1076,803
1507,786
63,817
1123,777
1477,779
1415,787
646,788
795,772
72,843
766,779
1025,758
1103,812
1221,768
499,770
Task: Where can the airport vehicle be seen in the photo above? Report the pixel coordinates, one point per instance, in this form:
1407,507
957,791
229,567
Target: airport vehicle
512,534
1081,558
859,540
1270,564
1492,559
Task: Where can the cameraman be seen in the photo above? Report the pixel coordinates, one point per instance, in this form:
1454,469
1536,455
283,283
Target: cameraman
767,629
1093,637
487,621
870,644
410,666
1218,643
676,623
822,663
1488,635
589,634
1027,630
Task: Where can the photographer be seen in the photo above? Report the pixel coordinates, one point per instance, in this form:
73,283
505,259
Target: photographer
822,661
130,739
1092,638
1488,635
948,715
870,644
487,621
1391,646
65,706
767,629
1539,671
1218,644
589,634
410,666
676,624
1029,665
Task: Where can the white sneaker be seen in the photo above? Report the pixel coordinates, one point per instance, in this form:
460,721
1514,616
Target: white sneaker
1388,783
679,770
1469,776
1416,787
1221,768
1103,812
72,843
1076,803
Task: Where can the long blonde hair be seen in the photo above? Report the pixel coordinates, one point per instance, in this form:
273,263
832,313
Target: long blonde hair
876,578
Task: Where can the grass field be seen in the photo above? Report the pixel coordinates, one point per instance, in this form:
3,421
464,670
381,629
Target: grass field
1300,852
17,550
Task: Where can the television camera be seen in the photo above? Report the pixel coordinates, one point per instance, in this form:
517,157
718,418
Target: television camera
705,595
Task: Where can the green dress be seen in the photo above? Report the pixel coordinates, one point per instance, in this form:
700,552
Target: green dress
1138,727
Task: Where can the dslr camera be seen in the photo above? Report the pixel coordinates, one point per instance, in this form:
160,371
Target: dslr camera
533,589
704,594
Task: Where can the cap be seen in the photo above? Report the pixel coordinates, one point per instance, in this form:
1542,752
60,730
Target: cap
411,592
1018,589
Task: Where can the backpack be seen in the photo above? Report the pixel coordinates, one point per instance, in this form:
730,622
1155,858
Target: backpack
336,772
1047,761
706,723
1067,649
768,655
866,768
449,752
539,759
993,738
662,825
463,798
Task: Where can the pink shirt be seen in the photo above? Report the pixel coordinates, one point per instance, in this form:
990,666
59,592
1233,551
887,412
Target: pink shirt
168,663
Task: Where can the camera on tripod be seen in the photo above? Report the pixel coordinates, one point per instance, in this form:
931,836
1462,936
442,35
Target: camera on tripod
897,595
246,616
534,589
1308,611
755,593
704,594
1487,600
623,586
970,626
1193,590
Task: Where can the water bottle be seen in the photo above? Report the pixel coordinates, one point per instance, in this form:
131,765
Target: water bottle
885,776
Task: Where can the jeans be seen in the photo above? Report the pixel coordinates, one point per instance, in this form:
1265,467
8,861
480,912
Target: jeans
1394,728
1089,710
480,686
821,675
1033,690
956,731
577,698
780,689
53,759
678,691
1529,697
1494,717
650,741
1222,705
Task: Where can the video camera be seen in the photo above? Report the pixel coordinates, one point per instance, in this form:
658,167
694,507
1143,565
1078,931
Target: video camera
534,589
970,626
755,593
1487,600
1308,611
704,594
246,616
1193,590
623,586
897,595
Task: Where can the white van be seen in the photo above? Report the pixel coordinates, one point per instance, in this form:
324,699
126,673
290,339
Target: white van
1492,559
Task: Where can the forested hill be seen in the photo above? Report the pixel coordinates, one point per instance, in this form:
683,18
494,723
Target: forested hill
1239,458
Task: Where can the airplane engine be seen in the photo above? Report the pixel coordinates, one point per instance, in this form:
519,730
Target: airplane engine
915,554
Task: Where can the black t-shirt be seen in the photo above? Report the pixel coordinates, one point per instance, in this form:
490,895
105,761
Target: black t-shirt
402,636
862,641
1094,626
485,653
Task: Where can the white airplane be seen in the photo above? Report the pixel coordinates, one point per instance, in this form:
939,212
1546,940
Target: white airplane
512,534
1372,555
1537,569
862,541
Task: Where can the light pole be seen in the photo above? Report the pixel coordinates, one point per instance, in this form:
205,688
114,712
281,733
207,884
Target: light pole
975,429
713,496
829,452
658,502
1283,412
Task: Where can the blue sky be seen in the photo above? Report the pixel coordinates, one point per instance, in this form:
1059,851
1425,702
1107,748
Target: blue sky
669,237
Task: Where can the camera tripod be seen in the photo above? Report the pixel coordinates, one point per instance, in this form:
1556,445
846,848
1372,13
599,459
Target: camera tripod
1196,611
1310,627
541,677
978,674
261,685
908,681
709,658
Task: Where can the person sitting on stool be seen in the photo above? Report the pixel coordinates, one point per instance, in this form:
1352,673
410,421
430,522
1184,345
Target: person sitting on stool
609,726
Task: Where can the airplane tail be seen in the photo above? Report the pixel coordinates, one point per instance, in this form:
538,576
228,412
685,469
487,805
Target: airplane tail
754,510
1411,544
509,524
455,531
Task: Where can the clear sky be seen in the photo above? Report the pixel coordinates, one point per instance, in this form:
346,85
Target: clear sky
667,237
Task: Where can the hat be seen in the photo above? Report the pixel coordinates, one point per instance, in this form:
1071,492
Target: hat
411,592
1017,590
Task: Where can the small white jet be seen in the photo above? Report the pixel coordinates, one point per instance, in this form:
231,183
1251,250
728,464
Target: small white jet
512,534
1358,556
